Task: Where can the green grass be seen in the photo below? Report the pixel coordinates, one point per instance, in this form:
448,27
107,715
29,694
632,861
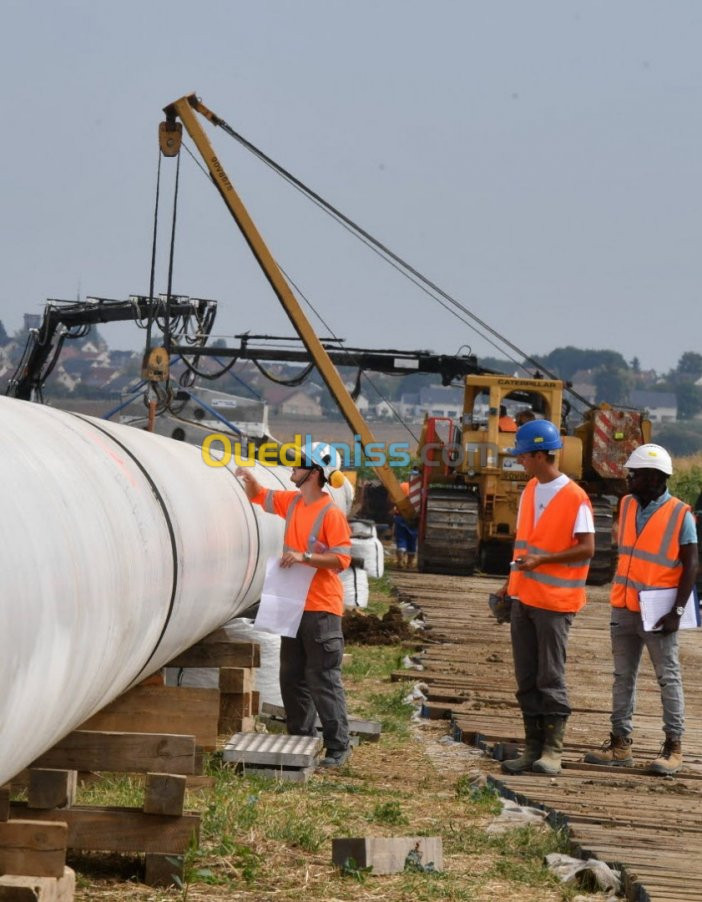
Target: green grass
375,662
389,812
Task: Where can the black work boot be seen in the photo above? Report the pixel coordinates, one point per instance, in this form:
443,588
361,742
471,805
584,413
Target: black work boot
335,757
534,735
615,752
550,760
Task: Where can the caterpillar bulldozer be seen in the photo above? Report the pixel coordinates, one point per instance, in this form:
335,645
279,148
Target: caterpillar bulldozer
471,485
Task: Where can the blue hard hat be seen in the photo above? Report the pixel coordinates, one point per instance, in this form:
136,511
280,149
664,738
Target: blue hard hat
537,435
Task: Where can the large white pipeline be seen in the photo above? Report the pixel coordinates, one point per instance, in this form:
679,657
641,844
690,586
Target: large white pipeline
118,550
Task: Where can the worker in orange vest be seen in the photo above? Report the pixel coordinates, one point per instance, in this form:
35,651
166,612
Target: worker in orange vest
657,550
317,536
405,536
555,541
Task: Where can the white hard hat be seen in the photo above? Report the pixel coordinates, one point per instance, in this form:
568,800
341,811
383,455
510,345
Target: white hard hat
321,456
650,457
325,457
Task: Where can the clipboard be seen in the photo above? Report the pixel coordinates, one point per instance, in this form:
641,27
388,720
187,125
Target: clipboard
283,598
655,603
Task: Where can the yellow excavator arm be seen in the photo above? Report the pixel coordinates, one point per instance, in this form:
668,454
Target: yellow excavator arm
185,110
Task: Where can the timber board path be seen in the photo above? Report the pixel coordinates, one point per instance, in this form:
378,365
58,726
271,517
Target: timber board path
649,826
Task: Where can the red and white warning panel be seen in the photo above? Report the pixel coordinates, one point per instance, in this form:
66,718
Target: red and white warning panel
616,434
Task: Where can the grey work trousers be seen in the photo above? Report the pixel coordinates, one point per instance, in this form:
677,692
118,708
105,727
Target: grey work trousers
628,640
310,679
539,640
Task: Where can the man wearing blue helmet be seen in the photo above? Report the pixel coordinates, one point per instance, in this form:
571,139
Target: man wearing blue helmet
555,541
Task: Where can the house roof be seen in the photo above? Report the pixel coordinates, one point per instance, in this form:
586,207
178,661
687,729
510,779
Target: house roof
653,399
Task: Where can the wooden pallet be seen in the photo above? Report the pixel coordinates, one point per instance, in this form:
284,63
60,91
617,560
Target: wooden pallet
648,826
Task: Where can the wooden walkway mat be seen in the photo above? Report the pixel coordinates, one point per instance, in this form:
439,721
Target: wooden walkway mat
649,826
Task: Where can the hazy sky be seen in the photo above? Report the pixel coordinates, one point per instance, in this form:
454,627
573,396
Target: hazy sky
540,161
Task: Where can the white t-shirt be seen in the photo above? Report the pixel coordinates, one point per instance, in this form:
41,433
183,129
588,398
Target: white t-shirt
546,492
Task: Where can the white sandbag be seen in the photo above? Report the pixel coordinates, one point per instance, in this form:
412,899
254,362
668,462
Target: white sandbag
363,529
355,583
369,554
265,677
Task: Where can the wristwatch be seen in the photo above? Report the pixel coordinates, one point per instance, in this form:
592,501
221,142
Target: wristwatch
679,611
307,557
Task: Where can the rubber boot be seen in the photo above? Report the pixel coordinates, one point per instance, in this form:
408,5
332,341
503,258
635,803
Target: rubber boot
534,736
670,759
550,760
615,752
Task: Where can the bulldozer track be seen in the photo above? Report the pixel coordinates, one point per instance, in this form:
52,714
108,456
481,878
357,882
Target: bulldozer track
648,826
451,538
604,560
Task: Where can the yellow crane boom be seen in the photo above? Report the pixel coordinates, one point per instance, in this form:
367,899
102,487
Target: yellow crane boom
185,110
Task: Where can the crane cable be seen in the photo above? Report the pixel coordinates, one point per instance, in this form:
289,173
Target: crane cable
299,379
422,281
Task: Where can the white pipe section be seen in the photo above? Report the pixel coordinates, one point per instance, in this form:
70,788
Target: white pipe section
118,550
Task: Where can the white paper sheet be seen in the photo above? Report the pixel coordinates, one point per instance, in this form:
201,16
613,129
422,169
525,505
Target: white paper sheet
655,603
283,598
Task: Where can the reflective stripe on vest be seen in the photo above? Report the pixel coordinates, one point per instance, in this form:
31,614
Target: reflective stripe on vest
316,526
559,586
651,559
268,504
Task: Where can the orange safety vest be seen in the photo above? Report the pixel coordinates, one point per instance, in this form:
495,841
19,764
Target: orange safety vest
554,587
650,560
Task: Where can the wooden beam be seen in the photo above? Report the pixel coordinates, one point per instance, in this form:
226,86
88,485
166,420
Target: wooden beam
162,870
116,829
34,846
164,794
161,709
88,750
226,653
4,803
49,788
235,679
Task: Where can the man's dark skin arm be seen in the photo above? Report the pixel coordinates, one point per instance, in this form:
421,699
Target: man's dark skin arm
689,558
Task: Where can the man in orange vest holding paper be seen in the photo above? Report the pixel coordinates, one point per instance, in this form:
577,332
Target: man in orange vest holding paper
316,535
657,551
555,541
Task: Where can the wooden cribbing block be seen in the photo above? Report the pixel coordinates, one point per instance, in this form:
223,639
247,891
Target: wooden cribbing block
4,803
387,855
36,846
234,705
162,870
161,709
38,889
255,702
235,679
115,829
164,794
52,788
219,652
88,750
